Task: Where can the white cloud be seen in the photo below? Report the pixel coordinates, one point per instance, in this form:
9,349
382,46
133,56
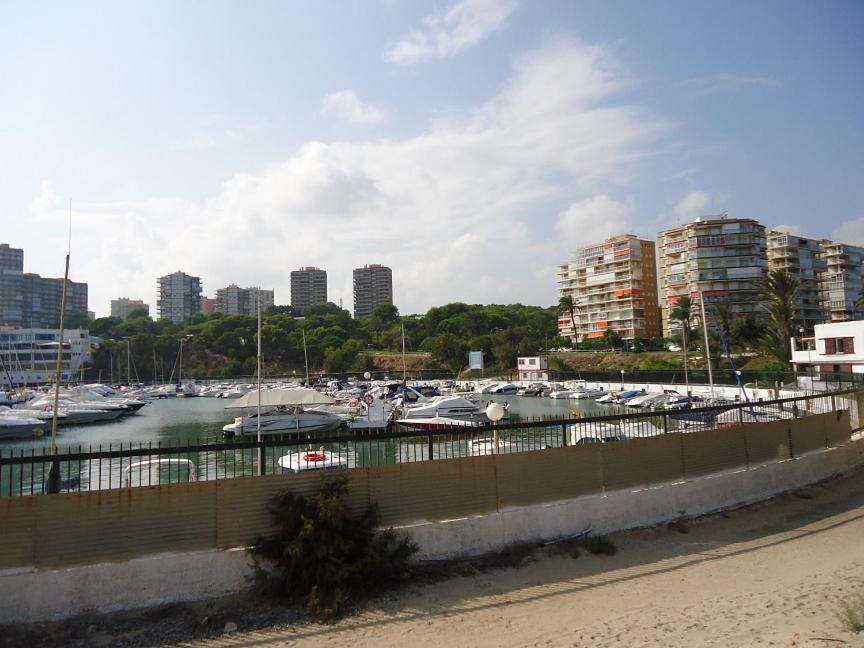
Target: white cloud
446,33
460,211
692,205
850,231
347,105
789,229
725,83
593,220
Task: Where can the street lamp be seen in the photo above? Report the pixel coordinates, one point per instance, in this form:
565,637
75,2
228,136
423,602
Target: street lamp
494,412
180,368
622,380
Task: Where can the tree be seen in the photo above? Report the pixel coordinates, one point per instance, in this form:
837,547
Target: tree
779,289
859,300
567,306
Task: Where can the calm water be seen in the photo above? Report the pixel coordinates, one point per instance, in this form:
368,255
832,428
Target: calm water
199,420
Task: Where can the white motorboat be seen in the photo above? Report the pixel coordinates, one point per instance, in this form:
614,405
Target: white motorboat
308,460
505,389
486,446
608,397
644,400
448,406
22,427
435,423
588,392
284,420
587,433
560,394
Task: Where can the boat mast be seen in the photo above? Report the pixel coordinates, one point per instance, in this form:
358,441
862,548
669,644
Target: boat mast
404,373
305,357
707,348
258,422
59,366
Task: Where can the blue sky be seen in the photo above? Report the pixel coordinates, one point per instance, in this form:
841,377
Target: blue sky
469,145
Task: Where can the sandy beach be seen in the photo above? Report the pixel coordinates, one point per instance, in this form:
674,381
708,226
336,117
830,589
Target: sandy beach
764,575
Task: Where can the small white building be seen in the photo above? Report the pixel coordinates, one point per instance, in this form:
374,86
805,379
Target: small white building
836,348
533,368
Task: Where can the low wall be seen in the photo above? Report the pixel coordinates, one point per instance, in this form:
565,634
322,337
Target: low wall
65,554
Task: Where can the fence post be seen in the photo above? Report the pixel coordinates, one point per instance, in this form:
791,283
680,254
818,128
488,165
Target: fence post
262,458
833,403
431,446
665,423
563,435
53,484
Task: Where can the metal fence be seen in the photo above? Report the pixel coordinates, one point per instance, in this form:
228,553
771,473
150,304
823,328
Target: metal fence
97,468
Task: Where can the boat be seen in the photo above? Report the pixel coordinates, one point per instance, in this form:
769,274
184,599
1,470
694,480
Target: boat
309,460
560,393
588,433
282,420
508,389
148,472
435,423
588,392
448,406
486,446
608,397
644,400
625,396
22,427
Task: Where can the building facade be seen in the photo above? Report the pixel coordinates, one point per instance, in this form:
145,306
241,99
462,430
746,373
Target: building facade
179,296
842,281
233,300
208,305
308,287
834,348
533,368
614,287
717,257
803,258
122,306
26,299
373,287
30,355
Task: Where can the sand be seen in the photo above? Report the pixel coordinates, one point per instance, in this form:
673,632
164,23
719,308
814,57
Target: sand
765,575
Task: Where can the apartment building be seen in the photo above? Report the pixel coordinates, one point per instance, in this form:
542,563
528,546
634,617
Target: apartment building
373,287
614,284
308,287
717,257
208,305
802,257
842,281
233,300
179,296
26,299
122,306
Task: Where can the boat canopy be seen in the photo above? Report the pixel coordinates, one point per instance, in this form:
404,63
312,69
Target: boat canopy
282,397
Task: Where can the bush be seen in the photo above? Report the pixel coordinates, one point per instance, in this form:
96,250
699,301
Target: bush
852,614
324,556
599,545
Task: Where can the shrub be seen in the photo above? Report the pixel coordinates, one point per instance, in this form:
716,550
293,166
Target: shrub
852,614
324,556
599,545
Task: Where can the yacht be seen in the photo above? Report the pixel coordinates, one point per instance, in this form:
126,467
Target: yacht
447,406
283,420
311,460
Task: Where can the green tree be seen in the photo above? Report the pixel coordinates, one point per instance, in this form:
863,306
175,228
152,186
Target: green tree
683,312
779,289
567,306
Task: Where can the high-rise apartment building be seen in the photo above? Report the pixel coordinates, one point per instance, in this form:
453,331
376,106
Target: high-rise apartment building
11,280
122,306
842,281
26,299
373,287
308,287
614,284
719,257
802,257
179,296
233,300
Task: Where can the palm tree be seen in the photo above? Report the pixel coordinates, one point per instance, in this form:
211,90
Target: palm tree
683,312
567,306
859,300
779,289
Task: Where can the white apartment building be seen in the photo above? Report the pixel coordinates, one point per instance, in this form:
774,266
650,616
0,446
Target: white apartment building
614,284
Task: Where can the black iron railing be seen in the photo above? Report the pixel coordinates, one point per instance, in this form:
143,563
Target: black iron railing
74,469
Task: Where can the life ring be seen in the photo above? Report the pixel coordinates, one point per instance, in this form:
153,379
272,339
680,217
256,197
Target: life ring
574,413
314,457
368,399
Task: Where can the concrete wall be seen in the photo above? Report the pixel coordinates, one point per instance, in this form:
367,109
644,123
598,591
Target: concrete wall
61,555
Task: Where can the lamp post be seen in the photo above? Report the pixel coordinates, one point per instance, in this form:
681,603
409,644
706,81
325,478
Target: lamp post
180,368
495,413
622,380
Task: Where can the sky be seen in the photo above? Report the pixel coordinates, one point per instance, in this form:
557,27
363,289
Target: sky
470,145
